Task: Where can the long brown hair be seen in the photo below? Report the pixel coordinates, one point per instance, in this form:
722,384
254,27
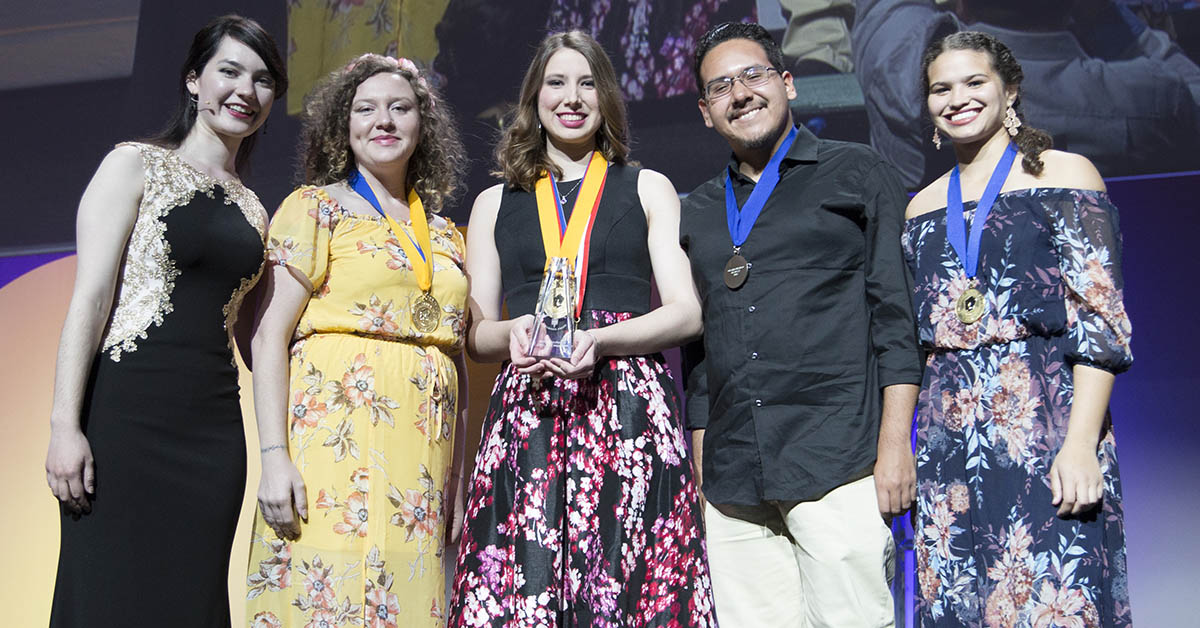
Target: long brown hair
204,46
437,164
521,155
1031,141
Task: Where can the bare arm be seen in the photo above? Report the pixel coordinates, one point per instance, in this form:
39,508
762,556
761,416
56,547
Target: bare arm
455,481
281,487
678,319
895,467
1075,478
491,339
107,213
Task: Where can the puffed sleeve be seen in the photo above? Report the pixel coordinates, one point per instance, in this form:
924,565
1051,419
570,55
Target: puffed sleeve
1088,242
300,232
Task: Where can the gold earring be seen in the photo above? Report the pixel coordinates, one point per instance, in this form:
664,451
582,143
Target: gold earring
1011,122
937,140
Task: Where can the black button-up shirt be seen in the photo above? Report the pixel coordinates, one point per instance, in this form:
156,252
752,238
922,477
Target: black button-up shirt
787,380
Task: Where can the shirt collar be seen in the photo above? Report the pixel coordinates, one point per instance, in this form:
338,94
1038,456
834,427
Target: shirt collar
804,149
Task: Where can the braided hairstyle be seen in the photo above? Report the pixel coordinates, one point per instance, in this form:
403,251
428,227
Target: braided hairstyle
1029,140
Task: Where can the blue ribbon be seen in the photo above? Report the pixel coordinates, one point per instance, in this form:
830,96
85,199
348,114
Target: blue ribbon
741,222
956,225
364,190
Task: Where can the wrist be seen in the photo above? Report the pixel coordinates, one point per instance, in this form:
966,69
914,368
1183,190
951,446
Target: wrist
598,343
273,450
1087,442
64,425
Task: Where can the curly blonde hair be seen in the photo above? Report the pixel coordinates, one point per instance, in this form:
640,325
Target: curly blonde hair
437,164
521,155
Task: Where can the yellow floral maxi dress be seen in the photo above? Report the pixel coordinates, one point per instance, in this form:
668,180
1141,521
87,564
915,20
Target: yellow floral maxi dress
372,406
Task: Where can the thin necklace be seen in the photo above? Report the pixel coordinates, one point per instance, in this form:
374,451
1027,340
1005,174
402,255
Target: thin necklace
562,198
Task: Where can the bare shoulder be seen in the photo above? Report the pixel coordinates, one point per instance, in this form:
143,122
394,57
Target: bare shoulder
486,206
654,181
124,167
1069,170
932,197
657,195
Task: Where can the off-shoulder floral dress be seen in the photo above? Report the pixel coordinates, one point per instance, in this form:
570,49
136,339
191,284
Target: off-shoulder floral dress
372,405
994,408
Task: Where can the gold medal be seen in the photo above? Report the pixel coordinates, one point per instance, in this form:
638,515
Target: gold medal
425,313
970,306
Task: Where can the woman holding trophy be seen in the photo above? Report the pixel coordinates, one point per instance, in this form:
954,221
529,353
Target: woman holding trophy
581,509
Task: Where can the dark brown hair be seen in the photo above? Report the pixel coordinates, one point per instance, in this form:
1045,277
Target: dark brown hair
204,46
722,33
521,155
1029,140
437,163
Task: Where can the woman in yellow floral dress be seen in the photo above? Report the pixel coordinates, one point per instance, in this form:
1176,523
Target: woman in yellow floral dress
360,432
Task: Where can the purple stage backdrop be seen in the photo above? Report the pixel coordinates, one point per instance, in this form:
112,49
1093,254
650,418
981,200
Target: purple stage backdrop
1153,405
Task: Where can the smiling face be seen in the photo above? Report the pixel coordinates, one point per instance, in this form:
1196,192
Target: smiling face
568,106
748,118
234,91
385,122
967,99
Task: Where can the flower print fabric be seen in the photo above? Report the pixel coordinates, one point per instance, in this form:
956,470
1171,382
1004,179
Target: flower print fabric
993,414
582,510
372,407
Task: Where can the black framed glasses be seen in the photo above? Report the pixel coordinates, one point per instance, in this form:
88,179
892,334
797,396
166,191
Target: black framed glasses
751,77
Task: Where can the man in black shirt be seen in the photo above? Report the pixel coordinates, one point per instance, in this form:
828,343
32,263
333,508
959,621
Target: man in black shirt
802,394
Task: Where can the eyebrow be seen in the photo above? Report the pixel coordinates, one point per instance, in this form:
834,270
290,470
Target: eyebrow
262,72
946,82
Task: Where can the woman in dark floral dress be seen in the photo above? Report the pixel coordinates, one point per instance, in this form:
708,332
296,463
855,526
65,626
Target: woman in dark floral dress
581,510
1019,497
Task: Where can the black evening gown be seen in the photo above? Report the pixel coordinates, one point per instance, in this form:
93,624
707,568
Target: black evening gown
162,415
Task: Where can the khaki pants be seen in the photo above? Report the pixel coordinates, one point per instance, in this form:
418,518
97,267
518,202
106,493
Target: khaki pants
819,30
814,564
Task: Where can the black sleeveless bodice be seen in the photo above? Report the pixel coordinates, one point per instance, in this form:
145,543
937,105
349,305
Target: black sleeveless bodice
618,270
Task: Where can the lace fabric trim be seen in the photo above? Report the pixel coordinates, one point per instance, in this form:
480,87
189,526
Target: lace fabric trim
147,274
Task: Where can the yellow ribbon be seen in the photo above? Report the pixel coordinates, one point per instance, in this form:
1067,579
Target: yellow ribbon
422,266
557,242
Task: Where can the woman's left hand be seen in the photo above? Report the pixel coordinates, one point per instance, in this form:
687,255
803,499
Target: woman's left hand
583,358
1075,479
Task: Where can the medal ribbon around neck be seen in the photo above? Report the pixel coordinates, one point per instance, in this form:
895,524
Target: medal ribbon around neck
741,222
956,230
413,249
571,238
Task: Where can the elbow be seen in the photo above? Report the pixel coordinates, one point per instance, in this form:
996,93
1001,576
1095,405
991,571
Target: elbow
692,325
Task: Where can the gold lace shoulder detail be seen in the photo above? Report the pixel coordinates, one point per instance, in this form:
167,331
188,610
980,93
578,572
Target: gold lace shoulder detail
147,274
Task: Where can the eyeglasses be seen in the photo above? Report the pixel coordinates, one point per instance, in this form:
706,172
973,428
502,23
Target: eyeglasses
751,77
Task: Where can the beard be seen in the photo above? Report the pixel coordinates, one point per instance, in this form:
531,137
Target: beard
767,138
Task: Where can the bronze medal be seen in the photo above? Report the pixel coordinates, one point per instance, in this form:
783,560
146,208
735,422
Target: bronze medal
425,313
736,271
970,306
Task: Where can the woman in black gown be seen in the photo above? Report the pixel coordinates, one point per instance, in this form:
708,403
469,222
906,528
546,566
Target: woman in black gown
146,449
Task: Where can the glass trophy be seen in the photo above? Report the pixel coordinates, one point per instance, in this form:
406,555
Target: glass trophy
554,318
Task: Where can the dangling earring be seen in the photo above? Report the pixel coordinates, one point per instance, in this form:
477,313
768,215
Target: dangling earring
1011,122
195,100
937,140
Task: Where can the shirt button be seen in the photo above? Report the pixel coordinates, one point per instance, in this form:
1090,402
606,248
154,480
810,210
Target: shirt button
754,356
758,402
751,308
